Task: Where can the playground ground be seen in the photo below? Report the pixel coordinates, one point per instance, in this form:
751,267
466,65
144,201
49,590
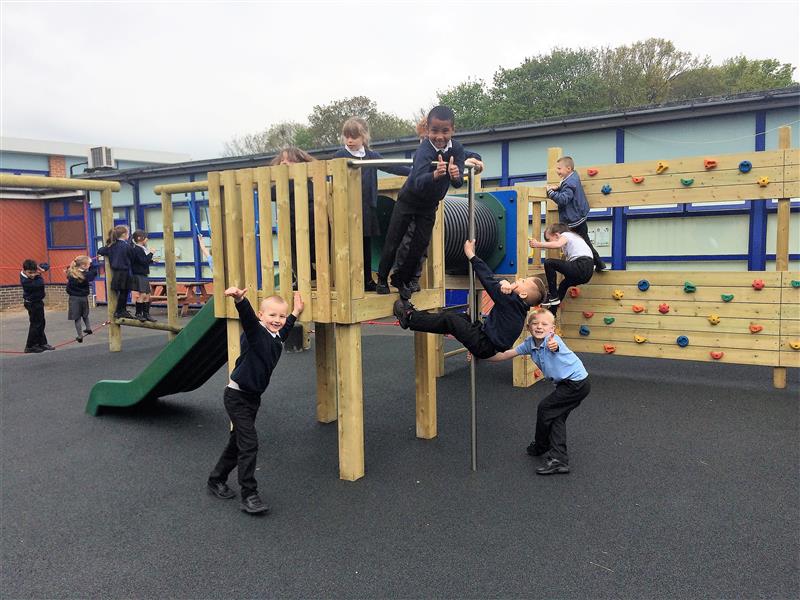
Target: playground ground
684,484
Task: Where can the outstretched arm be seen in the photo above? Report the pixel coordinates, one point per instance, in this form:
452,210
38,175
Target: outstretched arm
501,356
555,244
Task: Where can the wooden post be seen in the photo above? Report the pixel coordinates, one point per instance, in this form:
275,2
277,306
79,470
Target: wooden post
355,216
341,239
425,361
553,154
233,262
280,175
782,242
265,223
244,178
522,371
107,218
299,175
439,355
322,305
217,244
325,351
169,262
351,401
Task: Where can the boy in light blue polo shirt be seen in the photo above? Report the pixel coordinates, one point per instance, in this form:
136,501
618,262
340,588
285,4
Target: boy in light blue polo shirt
557,362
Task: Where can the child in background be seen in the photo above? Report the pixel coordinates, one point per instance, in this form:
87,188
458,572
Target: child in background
205,252
355,134
261,345
502,326
557,362
419,198
573,208
576,268
33,292
120,257
140,282
80,274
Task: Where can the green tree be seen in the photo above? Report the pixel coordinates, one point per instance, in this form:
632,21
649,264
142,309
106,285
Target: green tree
270,140
325,121
471,103
740,74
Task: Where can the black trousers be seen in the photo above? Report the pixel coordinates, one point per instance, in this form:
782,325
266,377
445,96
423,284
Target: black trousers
583,231
459,326
36,336
242,449
367,260
402,251
552,413
403,215
575,272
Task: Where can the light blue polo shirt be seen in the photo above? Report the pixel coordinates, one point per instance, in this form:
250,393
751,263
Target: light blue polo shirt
557,366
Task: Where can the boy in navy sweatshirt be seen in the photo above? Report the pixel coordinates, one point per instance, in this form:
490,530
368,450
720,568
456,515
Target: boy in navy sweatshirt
573,207
33,298
261,345
425,187
502,327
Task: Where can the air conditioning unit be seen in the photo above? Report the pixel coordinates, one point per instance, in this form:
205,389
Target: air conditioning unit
101,158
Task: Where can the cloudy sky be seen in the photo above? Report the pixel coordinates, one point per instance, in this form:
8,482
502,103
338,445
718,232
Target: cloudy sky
187,76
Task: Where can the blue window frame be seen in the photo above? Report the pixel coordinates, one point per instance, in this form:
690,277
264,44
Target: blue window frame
65,224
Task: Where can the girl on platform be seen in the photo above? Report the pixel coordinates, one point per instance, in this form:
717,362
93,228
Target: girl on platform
120,258
140,282
80,274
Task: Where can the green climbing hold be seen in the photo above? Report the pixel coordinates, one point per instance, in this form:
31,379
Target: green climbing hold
727,297
608,320
687,182
795,283
689,287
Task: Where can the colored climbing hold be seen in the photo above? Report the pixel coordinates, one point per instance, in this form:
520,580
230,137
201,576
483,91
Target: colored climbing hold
537,373
795,345
574,292
587,314
584,330
755,328
689,287
639,339
606,189
758,284
682,341
687,182
795,283
713,319
643,285
717,354
726,297
637,308
608,320
763,181
609,348
618,294
710,163
662,166
745,166
637,179
592,172
663,308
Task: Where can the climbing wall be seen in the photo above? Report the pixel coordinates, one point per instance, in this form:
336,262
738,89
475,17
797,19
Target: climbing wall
742,318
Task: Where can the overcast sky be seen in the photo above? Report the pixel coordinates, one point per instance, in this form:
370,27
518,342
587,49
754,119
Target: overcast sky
186,77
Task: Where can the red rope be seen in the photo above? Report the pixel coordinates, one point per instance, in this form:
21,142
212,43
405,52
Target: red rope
59,345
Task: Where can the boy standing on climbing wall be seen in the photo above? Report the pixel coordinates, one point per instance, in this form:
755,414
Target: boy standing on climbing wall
573,207
557,362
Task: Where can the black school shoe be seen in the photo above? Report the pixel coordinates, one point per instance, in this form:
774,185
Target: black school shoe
34,350
370,286
552,467
47,347
402,309
220,490
87,331
599,266
79,339
382,287
253,505
534,450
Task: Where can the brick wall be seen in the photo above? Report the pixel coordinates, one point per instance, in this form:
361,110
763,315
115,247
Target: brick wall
58,166
11,297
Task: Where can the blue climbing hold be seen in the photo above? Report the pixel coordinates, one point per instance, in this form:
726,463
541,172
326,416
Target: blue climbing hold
643,285
584,330
682,341
745,166
606,189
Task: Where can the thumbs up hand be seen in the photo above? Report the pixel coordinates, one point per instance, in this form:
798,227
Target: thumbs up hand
452,170
441,168
552,345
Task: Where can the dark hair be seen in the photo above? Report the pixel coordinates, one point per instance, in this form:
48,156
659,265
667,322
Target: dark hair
115,234
139,235
443,113
294,154
556,228
356,127
29,265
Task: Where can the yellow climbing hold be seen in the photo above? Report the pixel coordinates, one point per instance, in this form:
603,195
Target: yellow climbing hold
713,319
662,166
639,339
618,294
795,345
763,181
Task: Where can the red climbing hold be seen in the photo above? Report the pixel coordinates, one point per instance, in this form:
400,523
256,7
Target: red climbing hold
637,308
663,308
574,292
609,348
592,172
758,284
755,328
717,354
537,373
637,179
710,163
587,314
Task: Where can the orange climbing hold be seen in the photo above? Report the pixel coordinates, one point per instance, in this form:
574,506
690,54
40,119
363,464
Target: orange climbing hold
537,373
592,172
618,294
637,308
662,166
637,179
710,163
663,308
717,354
574,292
758,284
755,328
609,348
587,314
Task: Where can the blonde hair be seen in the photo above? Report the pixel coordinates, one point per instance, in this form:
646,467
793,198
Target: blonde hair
116,233
74,270
274,298
356,127
567,162
534,313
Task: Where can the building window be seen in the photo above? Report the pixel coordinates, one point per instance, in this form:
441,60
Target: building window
66,227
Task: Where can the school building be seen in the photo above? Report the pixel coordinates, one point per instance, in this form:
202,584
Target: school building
715,237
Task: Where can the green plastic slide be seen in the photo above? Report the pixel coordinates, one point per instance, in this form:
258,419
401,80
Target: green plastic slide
196,353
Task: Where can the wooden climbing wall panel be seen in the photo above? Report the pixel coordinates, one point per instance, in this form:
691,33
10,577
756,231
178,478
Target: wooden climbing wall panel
751,327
